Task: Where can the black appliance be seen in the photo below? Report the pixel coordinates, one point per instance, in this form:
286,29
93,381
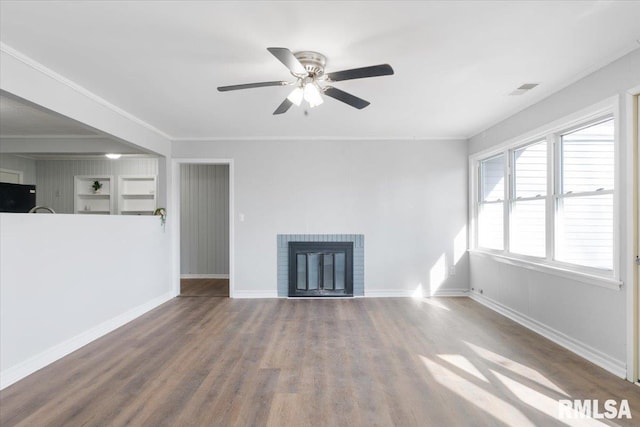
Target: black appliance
17,197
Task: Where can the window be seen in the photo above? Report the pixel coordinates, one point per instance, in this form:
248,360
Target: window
490,217
559,206
584,222
528,200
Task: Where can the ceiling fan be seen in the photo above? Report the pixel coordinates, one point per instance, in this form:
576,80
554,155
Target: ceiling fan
308,69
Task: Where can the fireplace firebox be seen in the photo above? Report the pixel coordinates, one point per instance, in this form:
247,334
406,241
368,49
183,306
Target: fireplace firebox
320,269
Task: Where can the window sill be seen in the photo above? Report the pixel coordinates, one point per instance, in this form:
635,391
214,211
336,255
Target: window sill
591,279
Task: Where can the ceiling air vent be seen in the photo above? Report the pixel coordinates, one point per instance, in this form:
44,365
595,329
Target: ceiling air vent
524,89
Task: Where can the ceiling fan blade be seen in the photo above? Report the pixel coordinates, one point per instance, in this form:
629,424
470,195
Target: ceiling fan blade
284,107
285,56
251,85
360,73
345,97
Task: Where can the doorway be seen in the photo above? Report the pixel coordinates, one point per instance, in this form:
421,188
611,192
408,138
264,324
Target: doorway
204,201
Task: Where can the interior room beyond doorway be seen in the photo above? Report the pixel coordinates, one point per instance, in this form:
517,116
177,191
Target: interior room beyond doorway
204,230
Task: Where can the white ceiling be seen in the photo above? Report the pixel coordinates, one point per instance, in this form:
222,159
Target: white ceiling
39,133
455,62
18,118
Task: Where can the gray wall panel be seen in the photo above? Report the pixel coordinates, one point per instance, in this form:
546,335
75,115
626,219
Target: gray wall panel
204,219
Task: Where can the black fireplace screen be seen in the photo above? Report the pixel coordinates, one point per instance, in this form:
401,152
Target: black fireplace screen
320,269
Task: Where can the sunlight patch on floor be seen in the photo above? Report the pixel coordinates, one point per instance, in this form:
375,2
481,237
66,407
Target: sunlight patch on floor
516,367
482,399
543,403
435,303
463,363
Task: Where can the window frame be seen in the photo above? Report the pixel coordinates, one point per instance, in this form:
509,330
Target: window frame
551,133
480,199
559,195
512,198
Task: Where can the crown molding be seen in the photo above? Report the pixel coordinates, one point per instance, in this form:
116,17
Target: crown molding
4,48
319,138
40,136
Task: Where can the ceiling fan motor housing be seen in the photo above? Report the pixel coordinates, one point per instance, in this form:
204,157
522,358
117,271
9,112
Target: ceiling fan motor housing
313,62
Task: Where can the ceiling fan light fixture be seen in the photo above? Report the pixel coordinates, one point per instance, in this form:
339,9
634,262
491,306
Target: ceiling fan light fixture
113,156
296,96
312,95
308,69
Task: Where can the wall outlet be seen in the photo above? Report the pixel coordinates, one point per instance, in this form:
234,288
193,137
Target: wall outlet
452,270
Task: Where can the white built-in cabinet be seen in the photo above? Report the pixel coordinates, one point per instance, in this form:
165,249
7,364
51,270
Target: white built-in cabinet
136,195
90,201
130,195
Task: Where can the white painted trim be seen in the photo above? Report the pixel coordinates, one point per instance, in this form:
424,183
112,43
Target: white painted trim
232,234
388,293
15,172
242,294
76,87
604,282
616,367
50,137
204,276
631,195
606,106
323,298
408,293
472,192
35,363
317,138
175,207
451,293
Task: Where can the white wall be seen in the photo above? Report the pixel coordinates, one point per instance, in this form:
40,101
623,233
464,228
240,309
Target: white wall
615,78
53,296
68,279
407,197
22,164
204,220
589,319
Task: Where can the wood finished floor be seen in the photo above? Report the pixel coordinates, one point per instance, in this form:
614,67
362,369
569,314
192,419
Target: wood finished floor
346,362
204,287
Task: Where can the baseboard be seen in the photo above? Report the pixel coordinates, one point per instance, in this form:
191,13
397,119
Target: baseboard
408,293
616,367
451,293
388,293
254,294
204,276
33,364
